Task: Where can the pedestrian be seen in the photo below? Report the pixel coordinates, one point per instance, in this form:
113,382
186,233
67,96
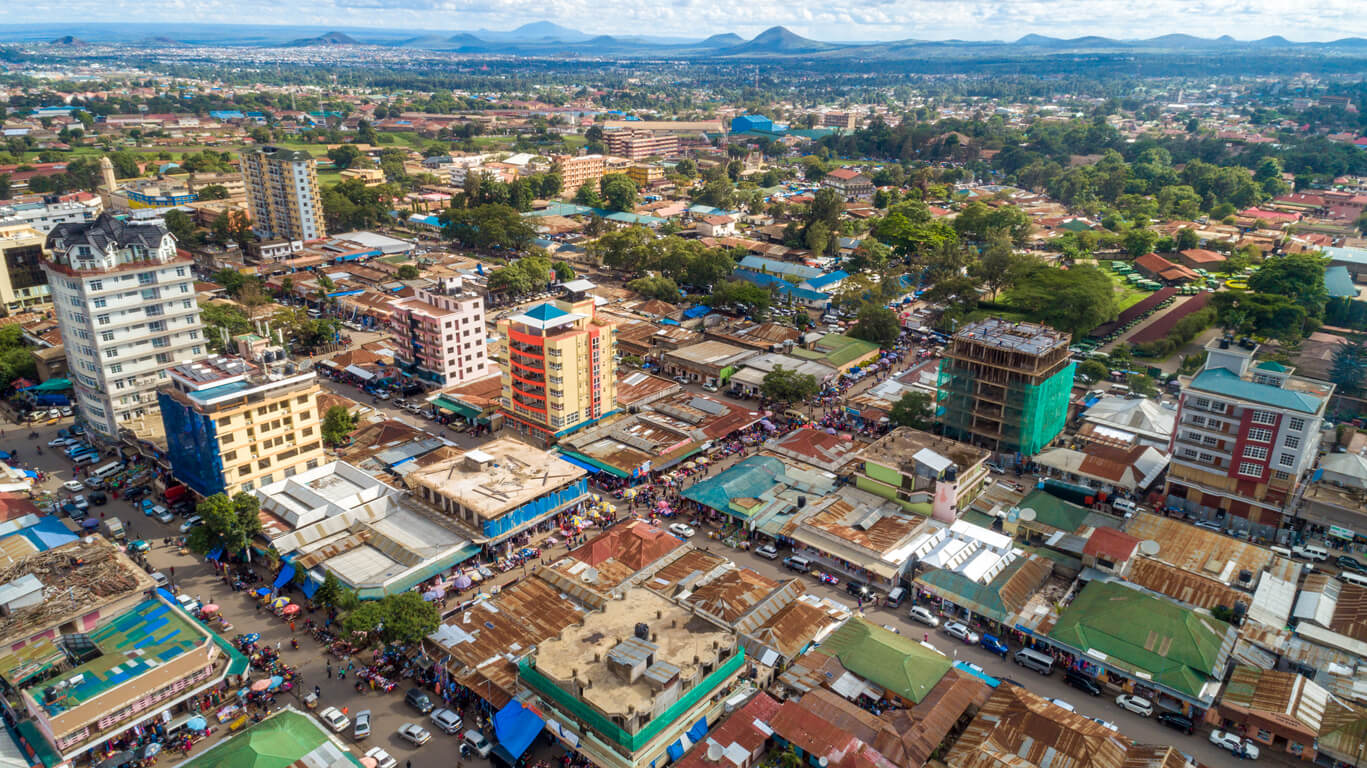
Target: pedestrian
329,670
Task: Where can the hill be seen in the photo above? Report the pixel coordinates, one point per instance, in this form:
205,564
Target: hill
778,40
328,38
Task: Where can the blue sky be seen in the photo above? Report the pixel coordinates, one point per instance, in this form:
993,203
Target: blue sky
862,20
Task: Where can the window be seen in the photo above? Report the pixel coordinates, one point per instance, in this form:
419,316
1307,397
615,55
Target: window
1261,435
1264,417
1190,453
106,335
1206,458
1194,437
1199,421
101,303
1203,402
1280,475
1255,452
116,368
1296,425
1249,469
1292,441
1287,460
97,285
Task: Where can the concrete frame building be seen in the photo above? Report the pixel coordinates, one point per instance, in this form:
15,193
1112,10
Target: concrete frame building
1006,385
46,216
638,145
559,375
909,466
577,169
445,336
1246,435
21,281
126,307
282,193
231,427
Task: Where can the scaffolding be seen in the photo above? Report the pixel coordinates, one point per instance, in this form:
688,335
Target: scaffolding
1005,385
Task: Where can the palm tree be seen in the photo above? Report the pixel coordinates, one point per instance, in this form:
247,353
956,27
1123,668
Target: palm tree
790,758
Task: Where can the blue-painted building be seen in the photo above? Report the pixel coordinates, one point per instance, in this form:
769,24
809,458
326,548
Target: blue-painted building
746,123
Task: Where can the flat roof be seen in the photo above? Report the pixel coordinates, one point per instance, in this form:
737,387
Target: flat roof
1026,338
514,474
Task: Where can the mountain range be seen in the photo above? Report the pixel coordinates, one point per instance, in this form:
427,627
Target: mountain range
544,38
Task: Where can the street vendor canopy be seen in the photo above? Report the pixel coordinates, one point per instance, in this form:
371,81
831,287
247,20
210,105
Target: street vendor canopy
51,385
516,728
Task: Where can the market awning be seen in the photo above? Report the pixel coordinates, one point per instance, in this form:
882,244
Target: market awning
359,372
1339,532
215,553
51,385
590,464
456,407
286,573
516,727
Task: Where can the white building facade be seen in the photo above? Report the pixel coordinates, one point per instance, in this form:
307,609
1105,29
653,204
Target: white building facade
126,307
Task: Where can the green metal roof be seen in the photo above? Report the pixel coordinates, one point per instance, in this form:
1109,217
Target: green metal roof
747,480
1222,381
456,407
1178,647
840,350
1054,512
1272,365
982,599
1339,283
887,659
279,741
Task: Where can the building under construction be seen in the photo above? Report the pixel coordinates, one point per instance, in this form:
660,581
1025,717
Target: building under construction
1005,386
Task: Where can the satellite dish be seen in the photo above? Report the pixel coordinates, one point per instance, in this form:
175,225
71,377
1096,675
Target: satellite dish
714,752
822,762
1148,547
1027,514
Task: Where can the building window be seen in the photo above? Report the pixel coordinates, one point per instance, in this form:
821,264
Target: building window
1190,453
1296,424
1280,475
1203,402
1255,452
1264,417
1249,469
1287,460
1292,441
1198,420
1261,435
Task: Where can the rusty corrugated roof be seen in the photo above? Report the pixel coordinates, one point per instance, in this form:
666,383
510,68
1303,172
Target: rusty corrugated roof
1185,586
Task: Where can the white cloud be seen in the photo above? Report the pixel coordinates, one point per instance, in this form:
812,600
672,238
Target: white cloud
867,21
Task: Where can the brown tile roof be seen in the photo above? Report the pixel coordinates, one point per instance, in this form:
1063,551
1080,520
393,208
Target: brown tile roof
740,728
1196,549
1111,544
732,594
669,576
1020,729
815,447
1155,264
1190,588
812,733
635,544
1350,616
1203,256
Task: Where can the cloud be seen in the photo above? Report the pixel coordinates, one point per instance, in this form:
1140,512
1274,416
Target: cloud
867,21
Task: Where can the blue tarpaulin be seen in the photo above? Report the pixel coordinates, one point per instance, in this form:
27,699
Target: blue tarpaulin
584,465
286,573
215,554
310,588
516,728
698,730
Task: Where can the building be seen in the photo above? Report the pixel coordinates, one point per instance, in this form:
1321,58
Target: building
638,145
125,303
863,536
282,192
500,490
576,170
912,467
286,737
643,175
83,685
371,177
21,282
1245,437
748,123
45,216
443,334
847,121
560,374
1288,712
848,182
708,362
231,427
1156,267
1006,385
338,519
634,681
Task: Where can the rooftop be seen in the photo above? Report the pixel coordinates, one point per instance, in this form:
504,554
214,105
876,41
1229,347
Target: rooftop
1026,338
617,554
897,449
894,662
512,474
284,739
1197,550
1296,394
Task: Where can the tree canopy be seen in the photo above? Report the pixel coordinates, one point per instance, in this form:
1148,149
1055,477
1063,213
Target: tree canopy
789,387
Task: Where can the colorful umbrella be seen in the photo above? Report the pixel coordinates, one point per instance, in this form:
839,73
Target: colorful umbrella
196,723
263,591
701,460
369,762
261,685
253,637
211,608
462,582
280,602
274,682
291,609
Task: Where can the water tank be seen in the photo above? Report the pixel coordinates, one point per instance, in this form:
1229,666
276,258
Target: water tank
642,631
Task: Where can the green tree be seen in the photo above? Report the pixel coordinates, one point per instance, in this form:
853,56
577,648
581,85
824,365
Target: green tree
912,409
408,272
228,523
1074,300
588,194
563,271
1299,277
1140,384
1139,242
656,287
619,192
338,423
1093,371
180,224
630,249
404,618
789,387
332,593
1348,369
998,264
488,227
213,192
344,156
739,294
1187,239
876,323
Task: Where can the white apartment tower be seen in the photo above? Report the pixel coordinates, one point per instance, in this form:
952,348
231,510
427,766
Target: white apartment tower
282,191
125,303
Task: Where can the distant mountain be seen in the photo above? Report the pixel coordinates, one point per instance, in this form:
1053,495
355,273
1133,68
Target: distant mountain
725,40
537,31
67,40
777,40
328,38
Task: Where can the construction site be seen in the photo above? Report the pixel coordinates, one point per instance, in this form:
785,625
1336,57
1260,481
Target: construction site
1005,386
67,588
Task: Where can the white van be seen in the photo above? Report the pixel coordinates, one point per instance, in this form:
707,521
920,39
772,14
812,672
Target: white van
1353,578
1032,659
86,458
108,469
1124,505
1312,552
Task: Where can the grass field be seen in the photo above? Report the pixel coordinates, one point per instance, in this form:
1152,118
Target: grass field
1126,295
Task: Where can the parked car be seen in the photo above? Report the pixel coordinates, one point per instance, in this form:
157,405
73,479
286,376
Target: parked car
160,579
73,486
923,614
768,552
961,631
1136,704
99,498
66,410
80,502
799,564
191,606
1083,682
414,734
859,590
333,718
994,644
59,442
1176,722
679,529
418,699
382,758
1236,745
362,728
164,516
1350,563
191,523
476,741
447,721
135,493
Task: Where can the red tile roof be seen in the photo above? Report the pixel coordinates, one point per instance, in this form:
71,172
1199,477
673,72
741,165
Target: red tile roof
637,545
1202,256
1157,265
844,173
738,729
812,734
1111,544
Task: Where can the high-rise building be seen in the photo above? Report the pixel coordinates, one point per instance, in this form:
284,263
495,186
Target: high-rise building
1005,385
21,281
125,304
559,375
282,192
638,145
1246,436
232,427
443,335
574,170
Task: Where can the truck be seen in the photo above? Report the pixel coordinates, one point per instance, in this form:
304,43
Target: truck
113,528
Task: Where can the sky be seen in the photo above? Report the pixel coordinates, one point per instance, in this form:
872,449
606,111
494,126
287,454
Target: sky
858,21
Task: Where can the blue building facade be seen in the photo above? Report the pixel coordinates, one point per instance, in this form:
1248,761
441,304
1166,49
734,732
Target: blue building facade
745,123
192,446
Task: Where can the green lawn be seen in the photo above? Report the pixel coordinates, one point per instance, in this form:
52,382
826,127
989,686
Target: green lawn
328,178
1126,294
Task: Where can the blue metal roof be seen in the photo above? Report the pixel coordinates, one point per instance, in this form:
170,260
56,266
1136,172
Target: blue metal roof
1339,282
1222,381
817,283
545,312
696,311
773,266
